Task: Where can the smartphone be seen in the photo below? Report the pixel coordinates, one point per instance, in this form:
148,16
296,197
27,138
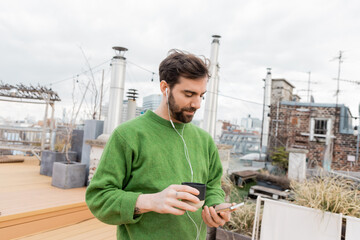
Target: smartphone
230,208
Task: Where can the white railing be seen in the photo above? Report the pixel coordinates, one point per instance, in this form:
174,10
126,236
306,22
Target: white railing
23,138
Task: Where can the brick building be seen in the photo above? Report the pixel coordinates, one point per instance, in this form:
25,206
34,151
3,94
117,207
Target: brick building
325,130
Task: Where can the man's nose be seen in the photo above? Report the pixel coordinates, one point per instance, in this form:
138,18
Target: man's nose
196,103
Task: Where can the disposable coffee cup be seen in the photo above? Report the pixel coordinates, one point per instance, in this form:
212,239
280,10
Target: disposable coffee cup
201,188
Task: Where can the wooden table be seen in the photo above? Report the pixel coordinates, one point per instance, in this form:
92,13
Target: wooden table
240,177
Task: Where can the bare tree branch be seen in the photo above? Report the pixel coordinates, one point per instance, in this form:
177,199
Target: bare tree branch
94,87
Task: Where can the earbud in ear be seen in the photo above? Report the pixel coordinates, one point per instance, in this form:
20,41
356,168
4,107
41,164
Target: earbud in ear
166,92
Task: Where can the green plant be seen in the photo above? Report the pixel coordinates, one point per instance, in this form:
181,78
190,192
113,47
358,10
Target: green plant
280,158
242,192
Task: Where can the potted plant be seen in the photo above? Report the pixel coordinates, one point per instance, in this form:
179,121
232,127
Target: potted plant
334,194
69,173
241,223
49,157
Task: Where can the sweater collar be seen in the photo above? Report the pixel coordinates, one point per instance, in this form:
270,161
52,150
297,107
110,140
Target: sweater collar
150,114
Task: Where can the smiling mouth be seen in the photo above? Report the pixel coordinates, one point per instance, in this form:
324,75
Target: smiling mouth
189,113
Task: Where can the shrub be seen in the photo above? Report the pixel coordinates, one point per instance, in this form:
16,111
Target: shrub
328,193
229,188
280,158
242,220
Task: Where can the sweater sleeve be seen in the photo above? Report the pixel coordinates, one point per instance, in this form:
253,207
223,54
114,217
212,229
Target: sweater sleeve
105,196
214,193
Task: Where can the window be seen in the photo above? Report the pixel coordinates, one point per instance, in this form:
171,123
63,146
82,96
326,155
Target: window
345,126
320,127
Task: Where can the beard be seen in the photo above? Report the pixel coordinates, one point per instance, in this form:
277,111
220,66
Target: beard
179,113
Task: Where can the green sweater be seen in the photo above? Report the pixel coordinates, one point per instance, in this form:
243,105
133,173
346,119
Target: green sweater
146,155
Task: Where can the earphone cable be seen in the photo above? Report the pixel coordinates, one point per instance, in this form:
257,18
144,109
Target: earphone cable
185,147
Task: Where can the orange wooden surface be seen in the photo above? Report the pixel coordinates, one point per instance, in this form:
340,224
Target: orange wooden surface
30,205
87,230
23,189
23,224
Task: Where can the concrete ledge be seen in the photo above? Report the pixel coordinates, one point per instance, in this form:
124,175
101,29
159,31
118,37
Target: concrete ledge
98,143
297,150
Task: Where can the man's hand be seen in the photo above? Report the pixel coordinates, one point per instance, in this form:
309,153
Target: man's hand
213,219
167,201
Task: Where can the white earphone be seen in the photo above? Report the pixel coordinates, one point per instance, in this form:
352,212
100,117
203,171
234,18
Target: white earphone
181,136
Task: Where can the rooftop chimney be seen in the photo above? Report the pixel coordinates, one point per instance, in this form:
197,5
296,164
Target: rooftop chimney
212,89
266,112
118,64
131,109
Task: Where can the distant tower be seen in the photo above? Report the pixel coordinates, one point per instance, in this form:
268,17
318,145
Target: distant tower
266,112
131,109
212,88
118,64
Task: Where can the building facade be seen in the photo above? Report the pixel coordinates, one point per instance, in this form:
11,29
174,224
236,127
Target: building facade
281,90
251,124
151,102
325,130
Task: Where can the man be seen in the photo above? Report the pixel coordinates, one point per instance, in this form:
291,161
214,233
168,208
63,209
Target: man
137,185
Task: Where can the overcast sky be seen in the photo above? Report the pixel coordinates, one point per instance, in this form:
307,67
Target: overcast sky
41,42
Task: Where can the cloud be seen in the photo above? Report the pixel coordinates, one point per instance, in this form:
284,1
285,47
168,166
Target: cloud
40,44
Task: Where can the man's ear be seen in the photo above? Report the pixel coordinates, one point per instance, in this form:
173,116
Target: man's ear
163,87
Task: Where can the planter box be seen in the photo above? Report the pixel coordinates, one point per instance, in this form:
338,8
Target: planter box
68,175
77,140
49,157
222,234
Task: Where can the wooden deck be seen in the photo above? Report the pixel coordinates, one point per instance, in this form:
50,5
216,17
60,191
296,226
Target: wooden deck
23,189
87,230
33,209
28,223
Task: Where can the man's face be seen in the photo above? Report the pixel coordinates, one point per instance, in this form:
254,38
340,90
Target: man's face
185,98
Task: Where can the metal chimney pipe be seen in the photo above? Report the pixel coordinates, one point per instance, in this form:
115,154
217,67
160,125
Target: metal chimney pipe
118,64
131,108
358,139
266,116
214,113
211,95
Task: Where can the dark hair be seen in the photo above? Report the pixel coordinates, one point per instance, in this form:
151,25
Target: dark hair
181,64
